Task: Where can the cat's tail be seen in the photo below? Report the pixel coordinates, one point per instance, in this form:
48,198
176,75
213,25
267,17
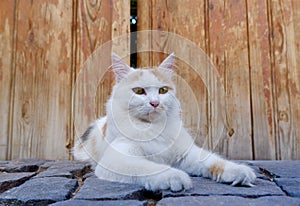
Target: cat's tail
91,145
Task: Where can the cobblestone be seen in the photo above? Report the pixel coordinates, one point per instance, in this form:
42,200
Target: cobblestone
59,183
10,180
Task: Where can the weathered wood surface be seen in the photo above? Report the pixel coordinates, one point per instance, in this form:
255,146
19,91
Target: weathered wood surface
254,45
285,53
98,23
264,142
43,46
229,52
94,29
255,48
41,90
171,16
6,73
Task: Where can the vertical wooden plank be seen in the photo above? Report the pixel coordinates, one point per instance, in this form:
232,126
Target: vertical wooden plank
144,22
187,19
286,76
261,80
98,23
42,90
295,81
6,51
229,52
94,29
121,26
94,26
120,30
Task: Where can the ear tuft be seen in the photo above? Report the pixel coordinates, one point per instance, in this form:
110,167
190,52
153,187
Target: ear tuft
167,66
168,63
119,67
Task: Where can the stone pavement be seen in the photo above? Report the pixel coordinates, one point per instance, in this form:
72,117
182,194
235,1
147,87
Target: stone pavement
59,183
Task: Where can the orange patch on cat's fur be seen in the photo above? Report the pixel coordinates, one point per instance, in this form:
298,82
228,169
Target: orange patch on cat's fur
161,76
217,169
134,77
104,129
80,147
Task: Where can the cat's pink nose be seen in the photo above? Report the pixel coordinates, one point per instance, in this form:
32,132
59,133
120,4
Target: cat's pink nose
154,104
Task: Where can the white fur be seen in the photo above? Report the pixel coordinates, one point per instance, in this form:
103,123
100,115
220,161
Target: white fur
146,145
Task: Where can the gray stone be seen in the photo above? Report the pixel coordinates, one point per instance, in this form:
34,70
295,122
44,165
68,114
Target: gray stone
203,186
10,180
51,186
40,191
61,163
289,185
284,168
102,203
21,165
4,162
64,168
96,189
229,200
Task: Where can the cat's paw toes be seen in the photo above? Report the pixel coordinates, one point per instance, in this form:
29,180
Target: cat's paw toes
173,179
237,174
179,181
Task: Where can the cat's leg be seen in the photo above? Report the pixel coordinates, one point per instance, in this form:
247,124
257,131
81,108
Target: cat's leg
200,162
123,162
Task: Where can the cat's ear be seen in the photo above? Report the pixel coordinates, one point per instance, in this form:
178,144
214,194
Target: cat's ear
119,67
168,63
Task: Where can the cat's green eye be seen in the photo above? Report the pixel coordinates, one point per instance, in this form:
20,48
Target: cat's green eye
163,90
139,90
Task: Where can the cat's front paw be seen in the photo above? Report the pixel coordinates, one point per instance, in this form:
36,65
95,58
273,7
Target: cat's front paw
236,174
172,179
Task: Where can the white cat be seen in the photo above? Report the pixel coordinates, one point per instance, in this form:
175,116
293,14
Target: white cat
142,141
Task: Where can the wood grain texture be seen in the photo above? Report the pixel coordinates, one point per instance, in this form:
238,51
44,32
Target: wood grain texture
285,52
121,27
6,72
42,79
261,80
174,16
295,82
254,45
94,21
92,40
228,42
144,12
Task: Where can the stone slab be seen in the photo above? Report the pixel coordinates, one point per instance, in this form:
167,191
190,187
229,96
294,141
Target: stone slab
96,189
291,186
102,203
229,200
22,165
40,191
56,183
64,168
10,180
203,186
284,168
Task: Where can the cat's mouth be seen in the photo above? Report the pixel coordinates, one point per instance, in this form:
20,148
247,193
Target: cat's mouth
153,112
156,113
146,114
151,116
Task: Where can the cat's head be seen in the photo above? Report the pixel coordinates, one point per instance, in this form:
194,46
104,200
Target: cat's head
146,94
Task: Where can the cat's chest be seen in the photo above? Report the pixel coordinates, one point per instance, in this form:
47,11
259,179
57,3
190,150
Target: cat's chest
161,150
